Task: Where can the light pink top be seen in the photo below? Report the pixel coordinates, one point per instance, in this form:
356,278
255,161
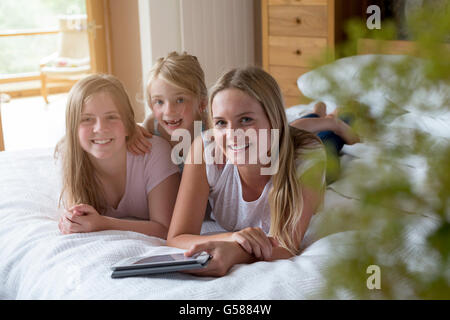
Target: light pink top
144,172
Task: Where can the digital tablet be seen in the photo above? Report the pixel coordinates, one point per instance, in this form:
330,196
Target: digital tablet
155,270
159,264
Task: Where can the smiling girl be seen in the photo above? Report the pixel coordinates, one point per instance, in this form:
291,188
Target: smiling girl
265,216
104,186
177,96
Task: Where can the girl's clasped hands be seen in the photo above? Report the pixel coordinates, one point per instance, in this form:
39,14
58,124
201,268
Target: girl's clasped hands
81,218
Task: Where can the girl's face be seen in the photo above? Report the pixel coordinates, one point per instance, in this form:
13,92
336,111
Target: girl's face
101,131
174,108
233,109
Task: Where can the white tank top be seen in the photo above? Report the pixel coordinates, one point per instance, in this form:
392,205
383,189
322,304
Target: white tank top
229,209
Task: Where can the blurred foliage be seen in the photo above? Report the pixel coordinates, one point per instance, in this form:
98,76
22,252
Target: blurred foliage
398,224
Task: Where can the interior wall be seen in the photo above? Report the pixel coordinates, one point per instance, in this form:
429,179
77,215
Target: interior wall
160,30
221,33
126,51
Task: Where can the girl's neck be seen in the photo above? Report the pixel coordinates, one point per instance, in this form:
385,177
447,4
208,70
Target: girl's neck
251,176
111,167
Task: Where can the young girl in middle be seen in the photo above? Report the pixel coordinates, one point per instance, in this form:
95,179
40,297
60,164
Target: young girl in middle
266,216
177,96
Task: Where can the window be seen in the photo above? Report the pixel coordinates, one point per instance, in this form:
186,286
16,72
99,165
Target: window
28,32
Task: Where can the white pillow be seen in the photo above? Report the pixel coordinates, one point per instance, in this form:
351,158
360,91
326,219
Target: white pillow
381,81
378,81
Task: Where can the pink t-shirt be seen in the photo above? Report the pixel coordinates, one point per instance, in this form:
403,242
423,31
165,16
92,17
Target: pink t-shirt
144,172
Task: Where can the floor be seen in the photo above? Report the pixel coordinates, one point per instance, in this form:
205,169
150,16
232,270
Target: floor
29,123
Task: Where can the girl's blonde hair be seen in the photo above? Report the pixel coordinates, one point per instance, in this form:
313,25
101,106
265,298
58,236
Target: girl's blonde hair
80,182
180,70
285,198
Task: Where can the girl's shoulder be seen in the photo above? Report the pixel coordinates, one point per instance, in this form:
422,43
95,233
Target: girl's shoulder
159,145
159,159
158,140
160,151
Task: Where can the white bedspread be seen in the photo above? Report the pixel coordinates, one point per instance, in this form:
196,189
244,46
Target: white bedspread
37,262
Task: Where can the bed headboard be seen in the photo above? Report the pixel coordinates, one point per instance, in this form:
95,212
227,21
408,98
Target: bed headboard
371,46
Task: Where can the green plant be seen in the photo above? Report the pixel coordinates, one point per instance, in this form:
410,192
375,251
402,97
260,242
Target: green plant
400,225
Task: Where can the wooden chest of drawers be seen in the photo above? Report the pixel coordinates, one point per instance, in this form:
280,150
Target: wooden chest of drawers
294,32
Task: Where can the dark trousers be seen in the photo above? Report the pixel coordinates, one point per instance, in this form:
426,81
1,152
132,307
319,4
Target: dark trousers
333,146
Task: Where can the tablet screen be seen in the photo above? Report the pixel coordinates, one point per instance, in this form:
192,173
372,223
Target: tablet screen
165,258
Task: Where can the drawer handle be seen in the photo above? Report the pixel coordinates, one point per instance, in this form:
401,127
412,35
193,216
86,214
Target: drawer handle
298,20
298,52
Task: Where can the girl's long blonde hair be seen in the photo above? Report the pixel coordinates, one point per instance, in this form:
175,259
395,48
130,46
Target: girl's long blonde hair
80,183
180,70
285,198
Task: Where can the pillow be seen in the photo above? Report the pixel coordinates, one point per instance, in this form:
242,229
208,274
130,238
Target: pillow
380,81
385,81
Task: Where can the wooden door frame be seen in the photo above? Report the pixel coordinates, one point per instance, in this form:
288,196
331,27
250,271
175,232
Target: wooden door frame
2,143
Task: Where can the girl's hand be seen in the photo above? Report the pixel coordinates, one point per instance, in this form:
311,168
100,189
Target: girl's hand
80,218
224,256
140,145
256,242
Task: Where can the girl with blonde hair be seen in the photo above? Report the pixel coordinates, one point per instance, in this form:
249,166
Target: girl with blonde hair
177,96
104,186
265,216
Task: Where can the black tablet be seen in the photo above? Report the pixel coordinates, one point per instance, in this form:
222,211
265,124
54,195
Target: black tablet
158,264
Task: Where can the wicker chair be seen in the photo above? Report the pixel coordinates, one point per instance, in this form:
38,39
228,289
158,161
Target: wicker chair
71,62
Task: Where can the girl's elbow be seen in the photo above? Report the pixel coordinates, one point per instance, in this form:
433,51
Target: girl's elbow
160,231
171,241
163,234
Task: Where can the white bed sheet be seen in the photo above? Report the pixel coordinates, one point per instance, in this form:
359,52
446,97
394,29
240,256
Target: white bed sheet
37,262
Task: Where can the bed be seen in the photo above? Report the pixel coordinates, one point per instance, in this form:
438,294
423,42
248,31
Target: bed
37,262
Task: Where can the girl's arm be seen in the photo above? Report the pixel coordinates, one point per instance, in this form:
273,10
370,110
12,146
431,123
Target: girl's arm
150,228
161,201
84,218
140,145
190,207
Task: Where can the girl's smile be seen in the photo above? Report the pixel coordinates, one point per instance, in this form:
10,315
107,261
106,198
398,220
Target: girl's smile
174,108
173,124
102,142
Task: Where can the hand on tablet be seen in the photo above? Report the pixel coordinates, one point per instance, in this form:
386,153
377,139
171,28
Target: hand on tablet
224,255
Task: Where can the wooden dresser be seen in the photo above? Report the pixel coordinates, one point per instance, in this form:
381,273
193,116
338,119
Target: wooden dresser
293,33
